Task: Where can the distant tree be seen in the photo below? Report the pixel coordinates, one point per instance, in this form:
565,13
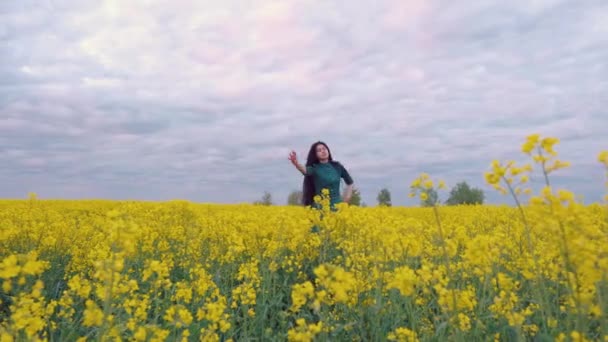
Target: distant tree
266,199
462,193
295,198
384,197
431,199
355,199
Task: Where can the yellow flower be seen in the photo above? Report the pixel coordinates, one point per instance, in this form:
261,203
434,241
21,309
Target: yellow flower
303,332
557,164
533,138
530,144
565,196
603,158
441,184
552,322
403,335
140,334
93,315
33,267
549,141
578,337
491,178
527,147
9,267
7,286
300,294
338,282
80,286
404,279
428,184
464,322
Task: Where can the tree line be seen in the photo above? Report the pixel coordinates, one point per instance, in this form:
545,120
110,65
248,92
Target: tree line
460,194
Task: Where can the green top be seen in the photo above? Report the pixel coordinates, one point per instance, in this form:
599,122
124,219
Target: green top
327,176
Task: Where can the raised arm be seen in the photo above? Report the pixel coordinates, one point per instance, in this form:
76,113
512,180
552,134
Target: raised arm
294,160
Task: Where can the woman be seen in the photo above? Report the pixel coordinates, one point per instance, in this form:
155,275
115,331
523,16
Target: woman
322,172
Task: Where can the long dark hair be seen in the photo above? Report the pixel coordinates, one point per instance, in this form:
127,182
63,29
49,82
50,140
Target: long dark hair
308,186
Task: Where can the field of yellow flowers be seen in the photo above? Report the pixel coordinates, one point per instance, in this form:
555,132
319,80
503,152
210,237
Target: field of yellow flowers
169,271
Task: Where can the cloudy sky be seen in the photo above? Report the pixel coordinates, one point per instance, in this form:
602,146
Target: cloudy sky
203,100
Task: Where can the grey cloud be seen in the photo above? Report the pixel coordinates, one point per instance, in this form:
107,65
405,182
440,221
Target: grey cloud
197,101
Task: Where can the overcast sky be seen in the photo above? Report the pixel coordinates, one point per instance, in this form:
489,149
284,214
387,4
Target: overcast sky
203,100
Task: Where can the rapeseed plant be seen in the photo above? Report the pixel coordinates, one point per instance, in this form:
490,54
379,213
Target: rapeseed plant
144,271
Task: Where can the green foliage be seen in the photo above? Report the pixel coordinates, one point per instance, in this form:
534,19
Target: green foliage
431,200
295,198
266,199
384,197
462,193
355,199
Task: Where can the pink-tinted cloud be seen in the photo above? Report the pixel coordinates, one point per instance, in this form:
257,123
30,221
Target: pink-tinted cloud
151,99
407,15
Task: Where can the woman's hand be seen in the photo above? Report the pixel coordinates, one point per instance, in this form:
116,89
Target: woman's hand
293,158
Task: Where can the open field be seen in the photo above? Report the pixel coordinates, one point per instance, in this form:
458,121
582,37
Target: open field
146,271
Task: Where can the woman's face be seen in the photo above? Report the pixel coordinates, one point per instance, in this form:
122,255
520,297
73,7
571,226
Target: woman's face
322,152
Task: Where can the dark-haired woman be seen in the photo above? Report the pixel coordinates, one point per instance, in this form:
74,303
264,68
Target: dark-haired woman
322,172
